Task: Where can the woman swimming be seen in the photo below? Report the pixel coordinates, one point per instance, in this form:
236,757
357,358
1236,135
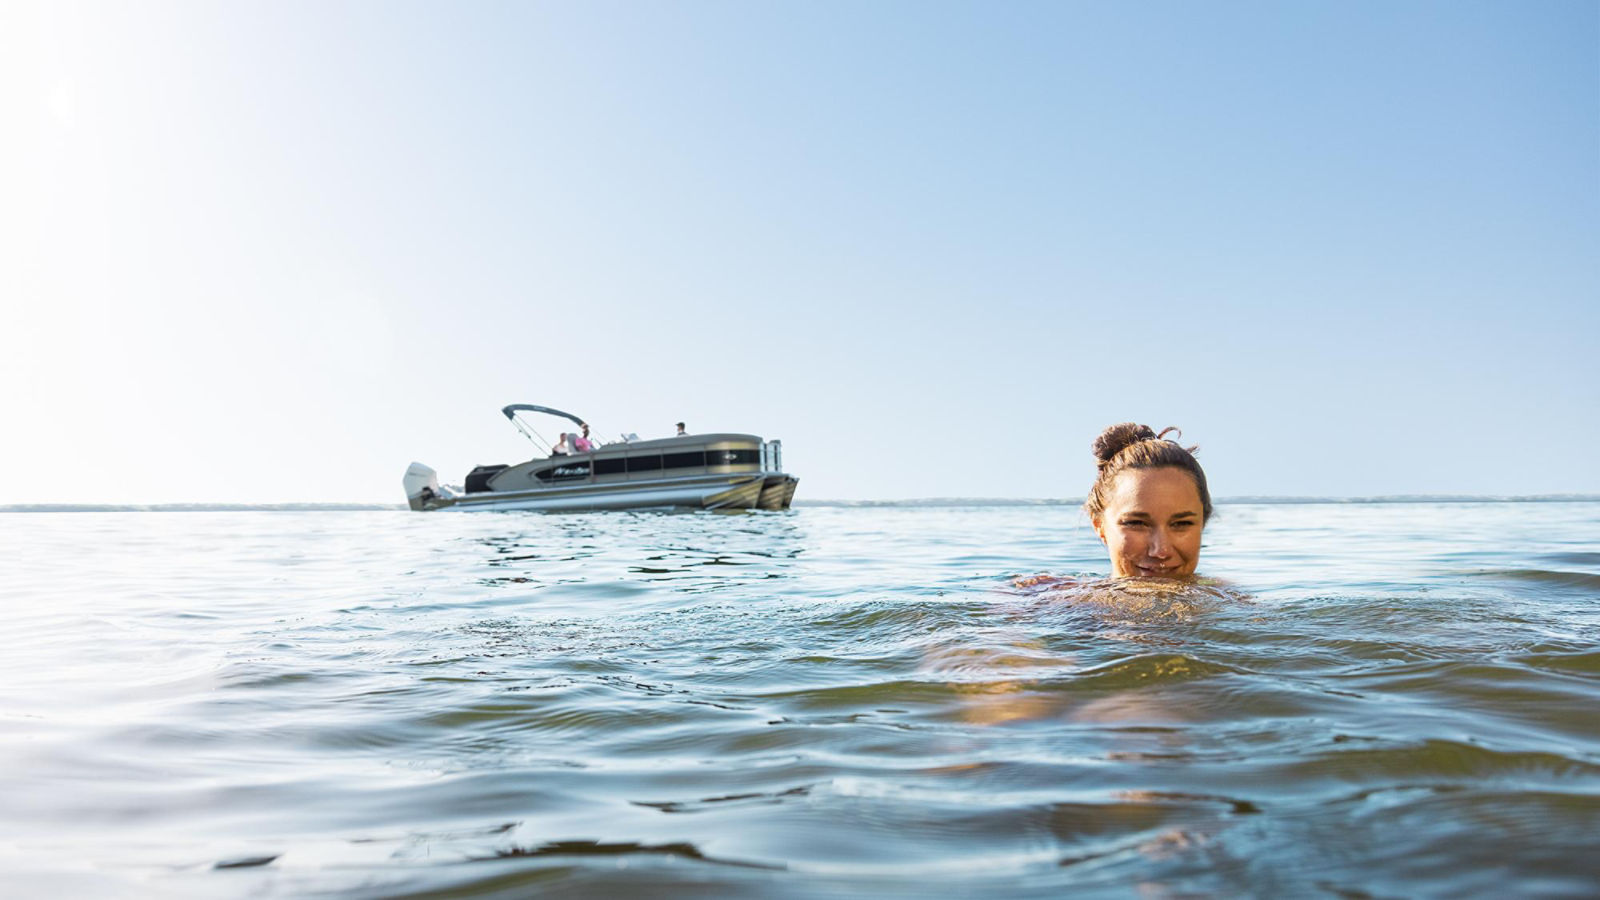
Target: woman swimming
1149,503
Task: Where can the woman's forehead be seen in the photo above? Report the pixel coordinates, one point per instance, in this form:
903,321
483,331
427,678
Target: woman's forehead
1165,487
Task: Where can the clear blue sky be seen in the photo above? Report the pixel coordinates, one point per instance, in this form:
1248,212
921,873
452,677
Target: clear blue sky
276,251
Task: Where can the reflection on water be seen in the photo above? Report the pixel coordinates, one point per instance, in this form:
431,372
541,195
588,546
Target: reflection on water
1372,701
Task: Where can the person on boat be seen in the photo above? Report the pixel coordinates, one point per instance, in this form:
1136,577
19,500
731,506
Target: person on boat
681,431
1149,504
581,442
561,448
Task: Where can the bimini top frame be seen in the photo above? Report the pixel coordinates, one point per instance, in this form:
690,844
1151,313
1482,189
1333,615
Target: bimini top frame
527,432
512,410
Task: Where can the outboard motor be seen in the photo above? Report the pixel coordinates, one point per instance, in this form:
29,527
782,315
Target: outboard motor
422,486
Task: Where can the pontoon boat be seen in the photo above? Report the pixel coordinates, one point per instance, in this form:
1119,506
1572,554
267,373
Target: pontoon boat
702,471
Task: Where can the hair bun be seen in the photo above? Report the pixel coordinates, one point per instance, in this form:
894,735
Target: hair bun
1118,437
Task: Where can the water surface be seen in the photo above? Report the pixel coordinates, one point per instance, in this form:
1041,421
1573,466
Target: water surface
1390,700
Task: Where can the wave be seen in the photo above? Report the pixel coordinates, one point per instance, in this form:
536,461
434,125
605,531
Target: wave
1553,578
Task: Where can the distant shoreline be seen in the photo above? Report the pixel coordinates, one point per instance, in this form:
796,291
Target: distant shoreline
924,503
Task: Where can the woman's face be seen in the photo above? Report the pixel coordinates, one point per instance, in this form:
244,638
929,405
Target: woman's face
1151,523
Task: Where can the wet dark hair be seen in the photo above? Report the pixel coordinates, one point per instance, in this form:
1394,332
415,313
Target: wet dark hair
1133,446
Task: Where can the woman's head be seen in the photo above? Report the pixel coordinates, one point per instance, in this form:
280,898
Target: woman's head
1149,503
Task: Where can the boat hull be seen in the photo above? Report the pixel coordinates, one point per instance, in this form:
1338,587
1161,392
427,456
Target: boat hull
777,492
710,492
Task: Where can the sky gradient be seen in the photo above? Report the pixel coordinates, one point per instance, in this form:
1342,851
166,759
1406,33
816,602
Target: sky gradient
273,252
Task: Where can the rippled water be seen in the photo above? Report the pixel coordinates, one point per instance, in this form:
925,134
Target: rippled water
1389,700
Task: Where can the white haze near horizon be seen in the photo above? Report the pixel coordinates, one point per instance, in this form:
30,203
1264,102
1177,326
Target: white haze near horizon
273,252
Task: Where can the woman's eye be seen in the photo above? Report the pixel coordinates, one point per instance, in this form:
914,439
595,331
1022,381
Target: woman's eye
1130,524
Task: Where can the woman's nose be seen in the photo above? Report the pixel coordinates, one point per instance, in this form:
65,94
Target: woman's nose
1160,546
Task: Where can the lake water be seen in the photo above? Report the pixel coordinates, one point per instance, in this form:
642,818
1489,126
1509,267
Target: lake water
1391,700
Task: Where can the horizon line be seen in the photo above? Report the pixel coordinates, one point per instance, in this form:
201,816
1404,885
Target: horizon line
929,502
